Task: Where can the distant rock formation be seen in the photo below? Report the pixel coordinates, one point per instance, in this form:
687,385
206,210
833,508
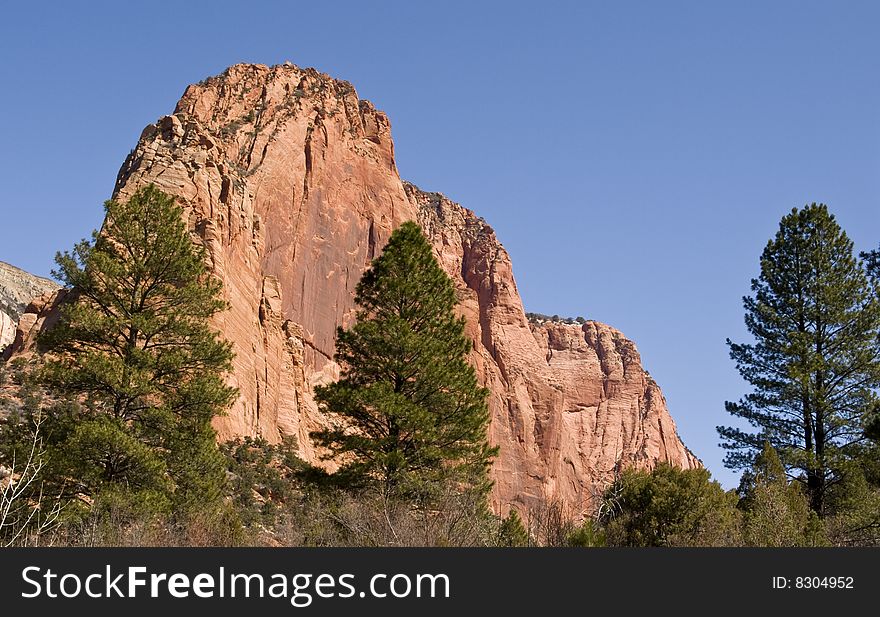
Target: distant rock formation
17,289
289,180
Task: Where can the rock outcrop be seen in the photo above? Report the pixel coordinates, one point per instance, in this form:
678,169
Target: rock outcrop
571,404
17,289
289,180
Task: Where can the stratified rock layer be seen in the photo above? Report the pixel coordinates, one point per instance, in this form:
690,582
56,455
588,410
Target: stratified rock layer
289,180
17,289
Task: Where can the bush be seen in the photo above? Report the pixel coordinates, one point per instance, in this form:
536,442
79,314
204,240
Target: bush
670,507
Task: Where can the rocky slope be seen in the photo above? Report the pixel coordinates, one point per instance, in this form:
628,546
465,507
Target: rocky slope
289,180
17,289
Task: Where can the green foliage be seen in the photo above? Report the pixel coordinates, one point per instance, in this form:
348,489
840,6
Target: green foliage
263,478
872,423
855,502
21,396
776,512
512,532
279,504
586,535
134,351
814,366
410,415
872,262
540,318
669,507
556,524
335,517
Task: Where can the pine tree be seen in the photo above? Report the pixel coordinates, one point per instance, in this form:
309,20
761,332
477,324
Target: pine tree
777,512
872,262
134,347
872,424
815,317
512,532
409,411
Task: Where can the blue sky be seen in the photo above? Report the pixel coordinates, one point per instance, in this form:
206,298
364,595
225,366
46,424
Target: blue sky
633,157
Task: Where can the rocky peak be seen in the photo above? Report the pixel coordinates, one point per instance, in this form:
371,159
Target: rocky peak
289,180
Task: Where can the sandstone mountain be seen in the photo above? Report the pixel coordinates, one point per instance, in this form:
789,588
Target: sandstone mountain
17,289
289,180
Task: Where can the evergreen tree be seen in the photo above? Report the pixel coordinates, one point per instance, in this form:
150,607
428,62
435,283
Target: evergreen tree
512,532
777,512
669,506
409,412
815,317
134,347
872,424
872,262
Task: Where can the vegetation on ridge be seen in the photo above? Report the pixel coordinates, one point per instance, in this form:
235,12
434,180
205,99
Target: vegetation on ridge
539,318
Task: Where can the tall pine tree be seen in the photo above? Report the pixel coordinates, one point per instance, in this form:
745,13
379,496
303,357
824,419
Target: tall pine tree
815,317
409,411
872,262
134,347
872,265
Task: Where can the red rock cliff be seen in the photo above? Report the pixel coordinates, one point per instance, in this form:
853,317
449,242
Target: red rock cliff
571,404
289,180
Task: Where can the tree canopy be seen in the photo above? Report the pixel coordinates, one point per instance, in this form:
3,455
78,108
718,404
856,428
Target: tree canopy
814,364
409,412
134,349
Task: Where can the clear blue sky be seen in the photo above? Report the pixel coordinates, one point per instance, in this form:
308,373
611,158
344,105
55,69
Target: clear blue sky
634,158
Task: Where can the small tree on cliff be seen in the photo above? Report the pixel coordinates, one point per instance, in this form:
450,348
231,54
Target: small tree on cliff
815,316
135,348
410,413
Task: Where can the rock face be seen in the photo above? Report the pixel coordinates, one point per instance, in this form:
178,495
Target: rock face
289,180
571,404
17,289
